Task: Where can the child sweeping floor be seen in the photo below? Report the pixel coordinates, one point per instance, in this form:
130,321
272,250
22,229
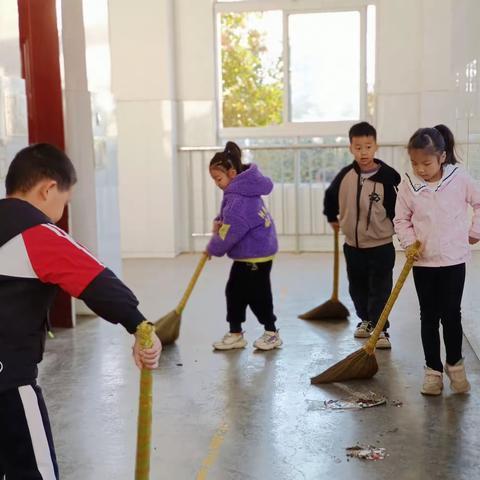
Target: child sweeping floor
432,207
244,230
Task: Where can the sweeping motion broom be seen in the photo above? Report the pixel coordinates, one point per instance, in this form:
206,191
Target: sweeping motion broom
332,309
144,428
168,327
362,363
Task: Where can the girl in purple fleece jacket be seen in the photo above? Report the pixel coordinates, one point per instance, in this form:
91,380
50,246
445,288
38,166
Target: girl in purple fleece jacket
244,230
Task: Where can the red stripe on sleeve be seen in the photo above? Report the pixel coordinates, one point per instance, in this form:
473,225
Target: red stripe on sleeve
56,258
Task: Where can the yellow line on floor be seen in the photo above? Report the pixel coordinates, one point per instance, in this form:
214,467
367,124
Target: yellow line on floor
213,450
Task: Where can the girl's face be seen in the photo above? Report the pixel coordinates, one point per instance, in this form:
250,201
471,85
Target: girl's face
222,178
426,165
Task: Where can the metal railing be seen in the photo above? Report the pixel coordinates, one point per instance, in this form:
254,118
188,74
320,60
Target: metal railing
301,174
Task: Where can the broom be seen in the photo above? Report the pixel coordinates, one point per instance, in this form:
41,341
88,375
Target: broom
332,309
362,363
144,428
168,327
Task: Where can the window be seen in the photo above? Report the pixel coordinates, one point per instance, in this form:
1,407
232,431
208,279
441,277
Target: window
324,66
252,72
292,72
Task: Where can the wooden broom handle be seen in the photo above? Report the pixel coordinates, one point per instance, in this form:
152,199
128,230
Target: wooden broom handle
144,427
370,345
192,283
336,266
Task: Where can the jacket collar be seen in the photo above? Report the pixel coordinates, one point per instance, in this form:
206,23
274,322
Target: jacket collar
417,184
384,174
16,216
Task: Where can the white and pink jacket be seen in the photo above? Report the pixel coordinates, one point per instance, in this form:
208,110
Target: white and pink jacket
438,216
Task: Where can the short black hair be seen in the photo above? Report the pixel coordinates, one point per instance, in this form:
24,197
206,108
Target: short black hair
362,129
38,162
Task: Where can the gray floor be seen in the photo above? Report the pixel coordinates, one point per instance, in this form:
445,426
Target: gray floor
246,415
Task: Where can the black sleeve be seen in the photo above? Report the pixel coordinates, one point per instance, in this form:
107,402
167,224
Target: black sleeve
112,300
390,194
389,200
331,207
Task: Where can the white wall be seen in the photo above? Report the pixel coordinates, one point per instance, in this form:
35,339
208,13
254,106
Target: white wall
423,47
143,79
90,130
163,61
13,106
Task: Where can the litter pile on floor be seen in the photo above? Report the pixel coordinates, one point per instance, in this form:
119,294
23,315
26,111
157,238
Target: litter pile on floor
366,452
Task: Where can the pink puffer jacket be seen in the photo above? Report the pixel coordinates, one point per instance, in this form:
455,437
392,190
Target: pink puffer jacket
438,216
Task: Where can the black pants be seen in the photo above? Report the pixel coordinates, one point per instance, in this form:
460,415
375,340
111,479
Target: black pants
370,279
26,444
440,293
249,285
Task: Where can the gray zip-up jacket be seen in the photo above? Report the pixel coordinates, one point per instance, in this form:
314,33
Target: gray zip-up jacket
365,210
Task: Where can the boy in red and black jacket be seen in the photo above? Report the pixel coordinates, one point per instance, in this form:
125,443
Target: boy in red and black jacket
37,258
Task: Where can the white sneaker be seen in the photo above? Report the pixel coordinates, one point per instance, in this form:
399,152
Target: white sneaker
433,382
364,329
383,341
268,341
230,341
458,377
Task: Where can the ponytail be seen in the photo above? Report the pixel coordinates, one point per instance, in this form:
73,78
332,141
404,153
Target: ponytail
231,157
449,140
435,141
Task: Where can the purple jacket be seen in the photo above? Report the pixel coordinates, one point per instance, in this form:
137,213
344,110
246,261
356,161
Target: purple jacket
248,231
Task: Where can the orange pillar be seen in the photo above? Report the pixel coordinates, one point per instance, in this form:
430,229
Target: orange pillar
41,70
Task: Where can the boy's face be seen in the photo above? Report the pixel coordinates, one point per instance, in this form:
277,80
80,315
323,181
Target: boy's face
48,198
363,149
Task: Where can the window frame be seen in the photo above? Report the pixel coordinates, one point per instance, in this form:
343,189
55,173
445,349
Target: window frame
288,127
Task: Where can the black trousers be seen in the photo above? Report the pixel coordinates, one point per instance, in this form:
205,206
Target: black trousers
440,291
249,286
26,444
370,279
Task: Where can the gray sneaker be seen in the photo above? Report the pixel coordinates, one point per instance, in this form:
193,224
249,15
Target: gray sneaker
230,341
363,330
383,341
268,341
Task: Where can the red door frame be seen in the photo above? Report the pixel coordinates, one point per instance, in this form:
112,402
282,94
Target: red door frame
41,70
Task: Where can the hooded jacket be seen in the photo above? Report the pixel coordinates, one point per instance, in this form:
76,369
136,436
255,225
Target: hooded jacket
247,232
437,216
36,258
365,210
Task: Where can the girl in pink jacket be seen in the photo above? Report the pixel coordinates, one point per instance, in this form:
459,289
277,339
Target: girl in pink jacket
432,207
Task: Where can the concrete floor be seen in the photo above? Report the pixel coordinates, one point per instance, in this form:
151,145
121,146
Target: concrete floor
245,415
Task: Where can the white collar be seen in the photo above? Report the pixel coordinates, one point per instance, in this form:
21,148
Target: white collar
417,184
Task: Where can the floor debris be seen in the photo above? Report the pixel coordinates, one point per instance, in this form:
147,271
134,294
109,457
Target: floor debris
366,452
361,401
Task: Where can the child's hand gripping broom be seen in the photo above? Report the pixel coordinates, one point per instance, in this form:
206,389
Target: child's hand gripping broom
362,363
168,327
332,309
144,426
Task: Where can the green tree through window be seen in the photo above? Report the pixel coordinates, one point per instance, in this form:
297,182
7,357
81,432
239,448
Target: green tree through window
252,81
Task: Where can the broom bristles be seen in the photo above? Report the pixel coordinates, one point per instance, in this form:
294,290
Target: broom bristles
167,328
330,310
357,365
